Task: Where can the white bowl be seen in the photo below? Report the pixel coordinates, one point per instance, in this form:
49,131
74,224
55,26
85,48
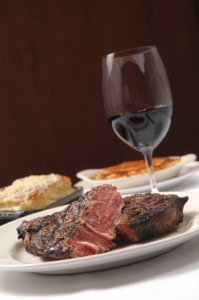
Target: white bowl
136,180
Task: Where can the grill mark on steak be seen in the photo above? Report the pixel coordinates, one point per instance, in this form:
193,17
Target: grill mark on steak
87,226
149,215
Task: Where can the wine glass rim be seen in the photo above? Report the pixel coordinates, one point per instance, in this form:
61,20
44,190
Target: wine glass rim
133,51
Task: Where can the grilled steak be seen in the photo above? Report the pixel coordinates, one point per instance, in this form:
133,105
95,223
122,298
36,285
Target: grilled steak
149,215
87,226
99,221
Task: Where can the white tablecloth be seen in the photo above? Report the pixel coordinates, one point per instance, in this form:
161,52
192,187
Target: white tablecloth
171,276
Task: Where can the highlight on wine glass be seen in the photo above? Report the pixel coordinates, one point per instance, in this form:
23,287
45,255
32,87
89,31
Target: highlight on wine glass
137,100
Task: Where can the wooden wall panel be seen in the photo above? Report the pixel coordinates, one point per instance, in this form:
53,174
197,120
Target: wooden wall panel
51,114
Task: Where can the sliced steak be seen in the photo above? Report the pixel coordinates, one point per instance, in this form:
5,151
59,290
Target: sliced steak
149,215
87,226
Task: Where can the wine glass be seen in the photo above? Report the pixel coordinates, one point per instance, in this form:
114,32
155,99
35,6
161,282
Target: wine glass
137,100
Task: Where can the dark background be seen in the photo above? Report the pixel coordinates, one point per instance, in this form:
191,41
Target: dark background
52,117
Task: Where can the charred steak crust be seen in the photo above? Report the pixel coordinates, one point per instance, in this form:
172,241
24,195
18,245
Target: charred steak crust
87,226
149,215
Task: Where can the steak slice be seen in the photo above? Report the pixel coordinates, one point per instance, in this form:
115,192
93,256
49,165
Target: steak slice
149,215
86,226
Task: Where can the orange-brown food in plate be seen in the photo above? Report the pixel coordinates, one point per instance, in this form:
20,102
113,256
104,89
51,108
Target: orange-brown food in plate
135,167
35,192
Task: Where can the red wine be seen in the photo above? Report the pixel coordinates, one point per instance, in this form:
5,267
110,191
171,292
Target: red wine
144,129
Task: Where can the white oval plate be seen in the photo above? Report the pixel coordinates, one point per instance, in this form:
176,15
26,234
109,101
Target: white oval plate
136,180
13,256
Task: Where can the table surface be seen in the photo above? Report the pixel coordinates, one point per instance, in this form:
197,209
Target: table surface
173,275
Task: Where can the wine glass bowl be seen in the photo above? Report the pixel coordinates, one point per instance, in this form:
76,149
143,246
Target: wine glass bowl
137,100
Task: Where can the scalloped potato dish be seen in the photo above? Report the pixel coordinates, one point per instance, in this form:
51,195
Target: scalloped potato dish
136,167
134,173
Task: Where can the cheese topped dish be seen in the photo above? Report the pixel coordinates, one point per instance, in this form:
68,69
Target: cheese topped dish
129,174
136,167
35,192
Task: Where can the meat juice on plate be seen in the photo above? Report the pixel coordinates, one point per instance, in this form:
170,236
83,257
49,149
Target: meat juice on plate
143,129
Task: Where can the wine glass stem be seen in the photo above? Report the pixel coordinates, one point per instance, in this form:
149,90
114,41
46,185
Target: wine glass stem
149,163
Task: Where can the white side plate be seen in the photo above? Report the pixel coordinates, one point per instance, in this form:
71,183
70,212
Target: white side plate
136,180
186,172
